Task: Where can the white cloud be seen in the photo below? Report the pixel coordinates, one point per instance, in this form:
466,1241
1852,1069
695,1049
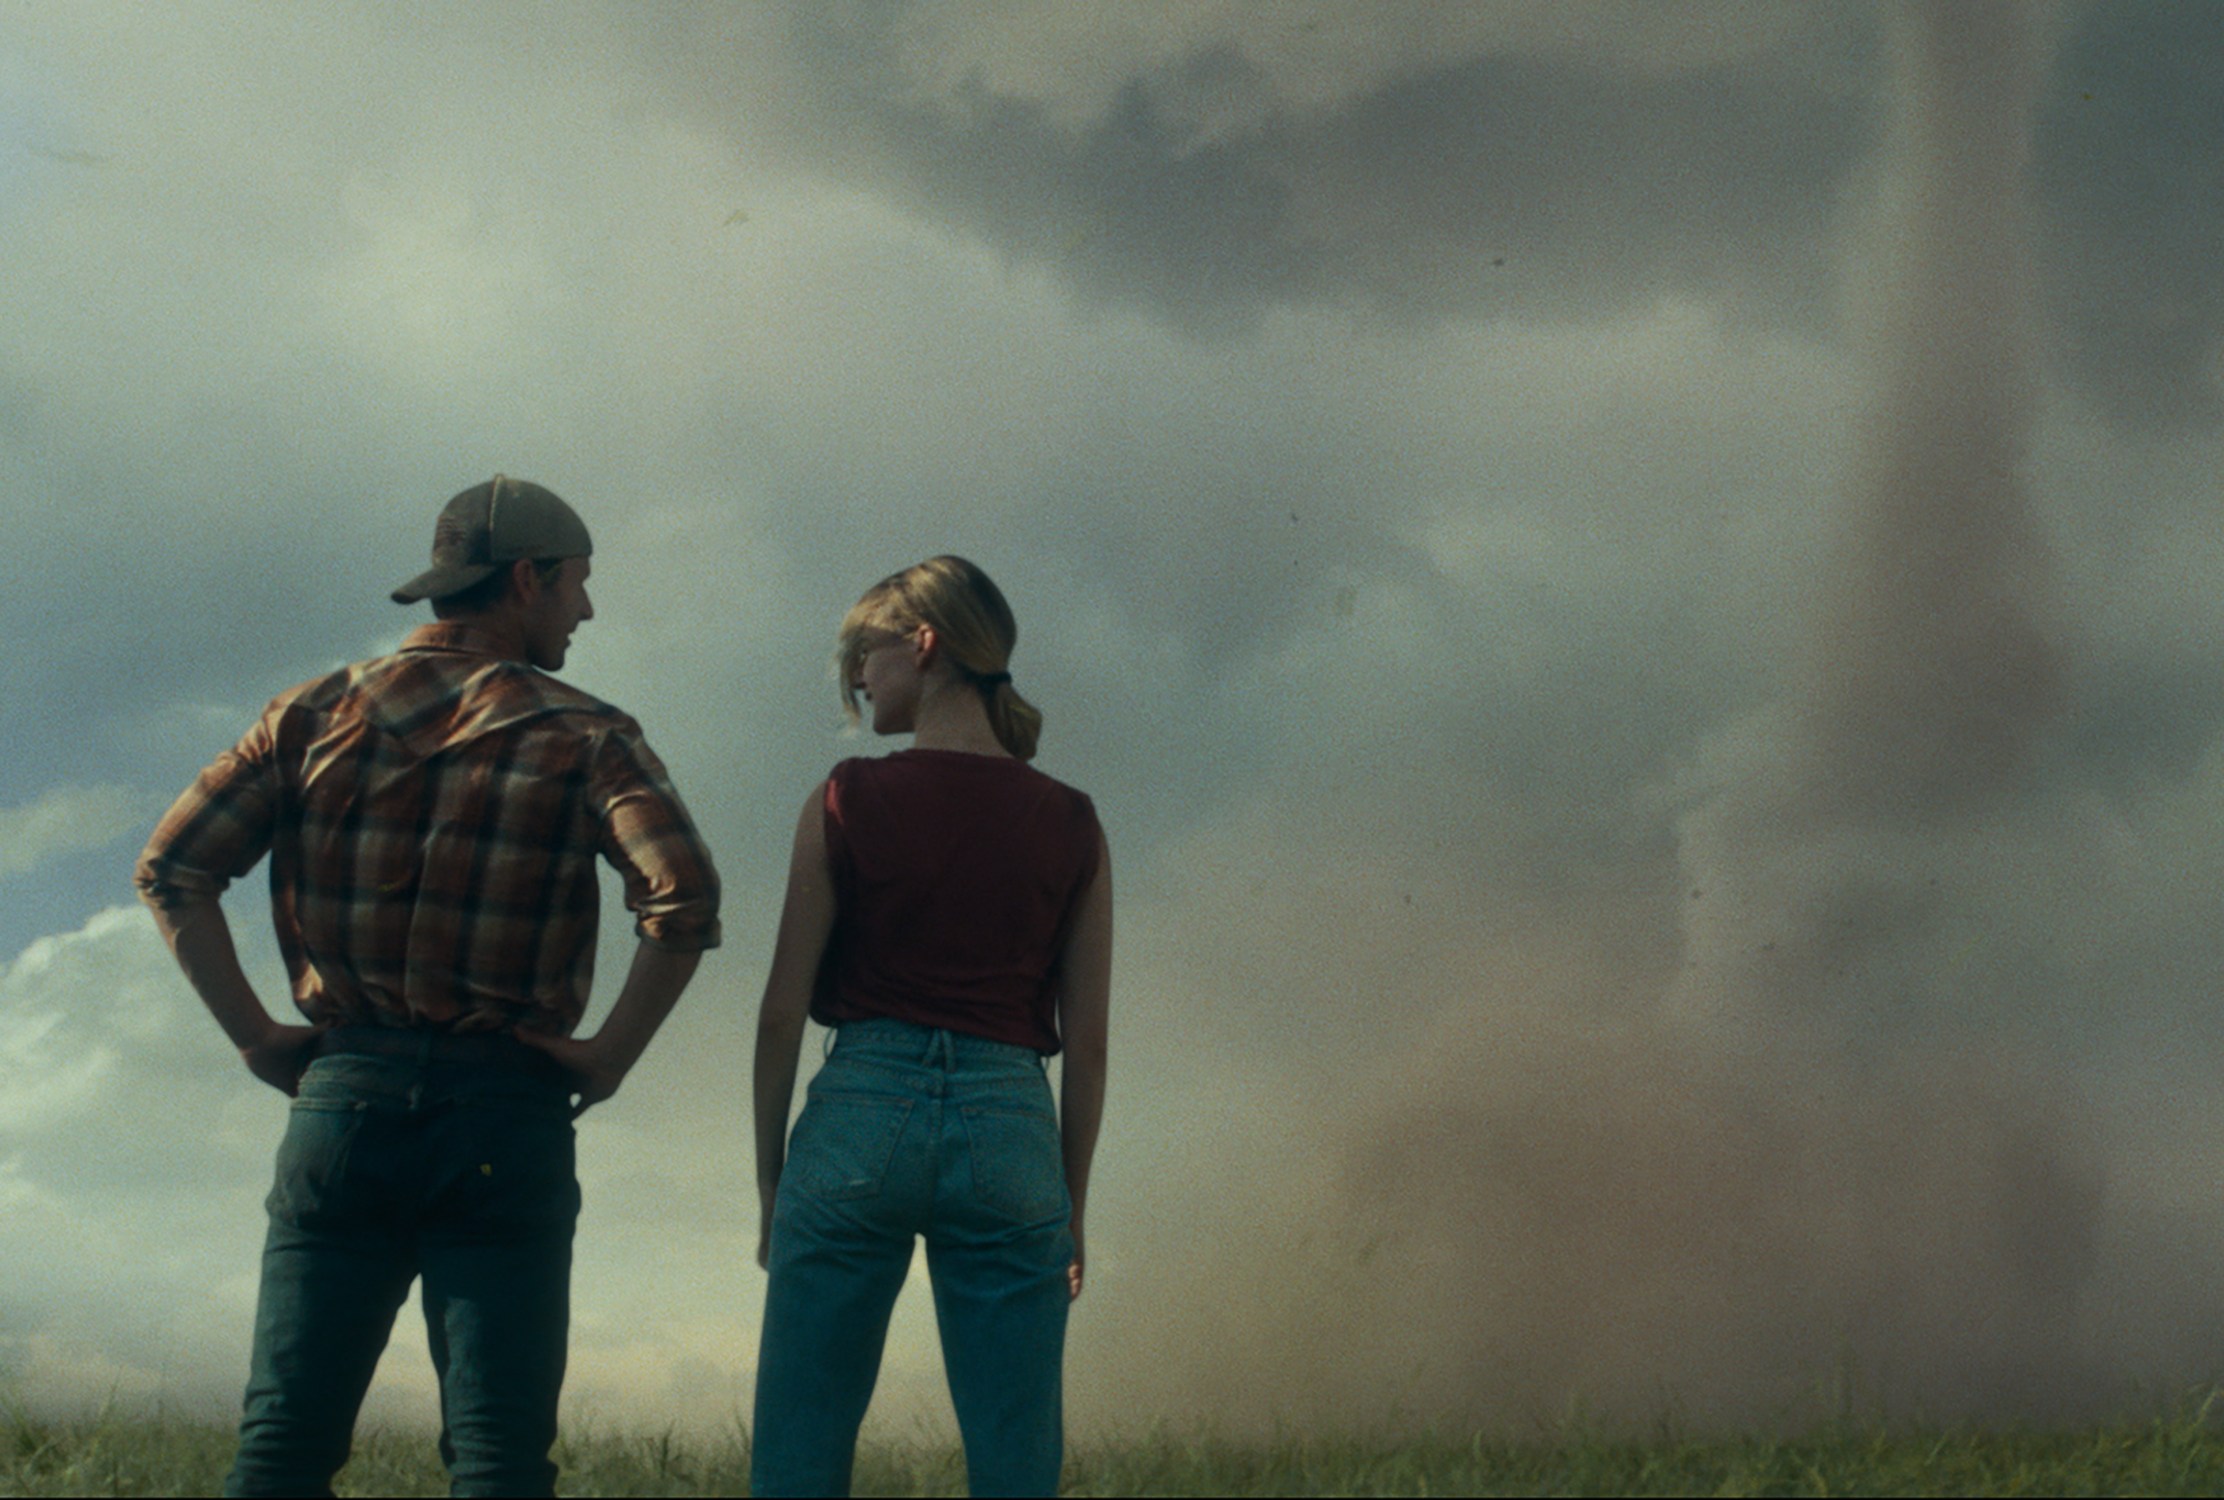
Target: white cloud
431,283
65,820
132,1168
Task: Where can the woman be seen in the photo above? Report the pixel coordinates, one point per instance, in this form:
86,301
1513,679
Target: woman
949,912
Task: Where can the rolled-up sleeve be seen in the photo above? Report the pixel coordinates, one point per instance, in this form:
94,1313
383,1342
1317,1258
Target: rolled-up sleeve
671,886
217,830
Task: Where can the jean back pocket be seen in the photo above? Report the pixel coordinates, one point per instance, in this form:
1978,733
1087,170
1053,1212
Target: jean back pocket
843,1143
1019,1169
318,1183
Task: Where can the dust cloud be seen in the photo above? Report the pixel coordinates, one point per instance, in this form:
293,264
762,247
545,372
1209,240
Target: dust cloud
1814,1153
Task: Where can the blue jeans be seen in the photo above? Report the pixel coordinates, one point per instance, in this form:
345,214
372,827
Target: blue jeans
907,1132
391,1168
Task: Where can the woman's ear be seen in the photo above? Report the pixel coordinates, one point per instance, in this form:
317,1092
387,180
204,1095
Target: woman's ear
927,644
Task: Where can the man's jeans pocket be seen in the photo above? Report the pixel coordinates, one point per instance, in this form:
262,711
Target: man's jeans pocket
313,1187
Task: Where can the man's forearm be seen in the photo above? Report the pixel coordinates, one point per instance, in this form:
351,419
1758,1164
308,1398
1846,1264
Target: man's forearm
201,940
652,987
599,1064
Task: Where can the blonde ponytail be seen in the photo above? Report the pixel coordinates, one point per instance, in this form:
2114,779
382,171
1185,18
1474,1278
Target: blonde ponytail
1018,723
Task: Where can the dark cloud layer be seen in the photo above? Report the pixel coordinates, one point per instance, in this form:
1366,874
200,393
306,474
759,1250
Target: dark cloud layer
1473,187
1545,185
2132,187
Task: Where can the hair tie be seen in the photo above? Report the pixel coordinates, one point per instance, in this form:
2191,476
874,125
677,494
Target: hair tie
991,679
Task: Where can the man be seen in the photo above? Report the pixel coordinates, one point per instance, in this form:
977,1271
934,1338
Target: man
432,819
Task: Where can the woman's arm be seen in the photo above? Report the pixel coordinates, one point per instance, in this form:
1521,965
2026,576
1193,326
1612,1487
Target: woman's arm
1084,1016
805,921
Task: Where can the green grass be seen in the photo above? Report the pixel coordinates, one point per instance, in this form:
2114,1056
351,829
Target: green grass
2181,1453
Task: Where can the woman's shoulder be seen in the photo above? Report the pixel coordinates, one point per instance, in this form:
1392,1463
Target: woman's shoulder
1080,807
844,783
959,770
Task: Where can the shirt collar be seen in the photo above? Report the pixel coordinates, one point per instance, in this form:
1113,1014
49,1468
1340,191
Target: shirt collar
456,635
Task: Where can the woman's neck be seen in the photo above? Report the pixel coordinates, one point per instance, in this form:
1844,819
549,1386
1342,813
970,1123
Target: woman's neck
953,716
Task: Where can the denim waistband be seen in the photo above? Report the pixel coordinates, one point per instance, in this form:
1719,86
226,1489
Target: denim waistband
927,1046
494,1051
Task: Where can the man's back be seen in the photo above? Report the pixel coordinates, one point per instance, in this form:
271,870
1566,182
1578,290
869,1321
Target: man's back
433,819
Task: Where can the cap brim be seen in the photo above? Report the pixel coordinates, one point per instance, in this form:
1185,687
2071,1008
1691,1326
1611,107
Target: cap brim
439,583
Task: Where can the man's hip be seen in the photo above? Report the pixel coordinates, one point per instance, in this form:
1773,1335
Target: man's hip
400,1146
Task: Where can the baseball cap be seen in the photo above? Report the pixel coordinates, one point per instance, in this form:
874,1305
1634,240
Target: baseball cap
491,525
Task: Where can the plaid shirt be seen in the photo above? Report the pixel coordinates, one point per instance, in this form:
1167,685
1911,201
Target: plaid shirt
433,819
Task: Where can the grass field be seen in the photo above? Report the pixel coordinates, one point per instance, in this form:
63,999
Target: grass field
2181,1454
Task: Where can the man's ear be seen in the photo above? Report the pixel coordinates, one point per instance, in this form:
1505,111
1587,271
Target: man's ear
525,581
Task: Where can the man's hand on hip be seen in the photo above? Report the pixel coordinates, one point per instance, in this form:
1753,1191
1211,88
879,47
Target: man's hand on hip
595,1071
279,1057
600,1063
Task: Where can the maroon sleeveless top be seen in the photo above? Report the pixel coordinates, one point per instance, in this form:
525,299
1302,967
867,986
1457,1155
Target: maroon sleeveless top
955,882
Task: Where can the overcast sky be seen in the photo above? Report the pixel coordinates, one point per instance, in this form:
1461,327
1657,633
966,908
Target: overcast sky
1420,443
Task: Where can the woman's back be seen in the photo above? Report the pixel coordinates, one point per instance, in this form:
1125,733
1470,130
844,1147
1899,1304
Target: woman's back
949,914
956,877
